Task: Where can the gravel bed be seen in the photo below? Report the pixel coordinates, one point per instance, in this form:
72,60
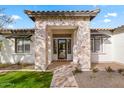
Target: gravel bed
101,79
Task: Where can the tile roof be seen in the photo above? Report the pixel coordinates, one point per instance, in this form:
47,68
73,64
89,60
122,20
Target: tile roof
71,11
91,13
31,31
102,29
17,31
122,26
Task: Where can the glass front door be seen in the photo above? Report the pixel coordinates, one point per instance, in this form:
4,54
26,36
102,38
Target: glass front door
62,50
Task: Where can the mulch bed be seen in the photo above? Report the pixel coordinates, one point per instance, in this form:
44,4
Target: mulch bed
16,66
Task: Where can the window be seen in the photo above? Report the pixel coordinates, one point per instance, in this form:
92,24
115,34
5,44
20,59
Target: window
69,45
55,46
1,45
97,44
92,44
22,45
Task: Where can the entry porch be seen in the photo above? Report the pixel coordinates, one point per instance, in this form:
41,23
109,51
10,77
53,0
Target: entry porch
77,48
60,44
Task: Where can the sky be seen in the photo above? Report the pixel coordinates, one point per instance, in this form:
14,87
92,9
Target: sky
110,16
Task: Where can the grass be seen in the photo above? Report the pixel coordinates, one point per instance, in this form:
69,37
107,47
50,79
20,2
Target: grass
25,79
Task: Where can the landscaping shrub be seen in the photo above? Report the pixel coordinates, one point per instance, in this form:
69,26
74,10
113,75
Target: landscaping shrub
5,65
120,70
109,69
93,75
17,65
95,70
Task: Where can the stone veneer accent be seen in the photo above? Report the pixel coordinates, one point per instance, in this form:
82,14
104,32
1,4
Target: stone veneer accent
81,47
40,47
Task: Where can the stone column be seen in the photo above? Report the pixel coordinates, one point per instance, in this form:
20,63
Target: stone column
49,46
82,46
40,46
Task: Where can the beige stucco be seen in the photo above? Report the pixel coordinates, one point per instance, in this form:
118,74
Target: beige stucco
106,56
9,56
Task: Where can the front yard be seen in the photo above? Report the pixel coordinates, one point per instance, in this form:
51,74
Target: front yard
101,79
25,79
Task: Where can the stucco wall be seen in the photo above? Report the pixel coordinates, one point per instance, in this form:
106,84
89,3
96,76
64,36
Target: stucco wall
113,50
107,55
118,45
8,55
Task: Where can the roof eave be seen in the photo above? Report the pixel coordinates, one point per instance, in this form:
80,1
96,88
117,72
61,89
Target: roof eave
91,14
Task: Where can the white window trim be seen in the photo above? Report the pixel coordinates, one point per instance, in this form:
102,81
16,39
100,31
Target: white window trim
29,45
101,45
24,48
93,45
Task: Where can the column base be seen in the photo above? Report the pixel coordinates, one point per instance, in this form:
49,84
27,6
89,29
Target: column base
85,69
40,67
77,65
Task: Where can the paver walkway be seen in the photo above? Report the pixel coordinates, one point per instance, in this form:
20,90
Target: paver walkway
55,65
63,77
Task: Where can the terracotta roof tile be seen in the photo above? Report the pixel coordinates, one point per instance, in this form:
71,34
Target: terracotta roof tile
81,11
4,31
102,29
11,31
91,13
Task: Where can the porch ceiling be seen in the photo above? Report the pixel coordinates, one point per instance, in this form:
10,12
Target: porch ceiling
62,27
62,31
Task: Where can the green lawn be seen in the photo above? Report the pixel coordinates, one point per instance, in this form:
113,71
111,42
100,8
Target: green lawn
25,79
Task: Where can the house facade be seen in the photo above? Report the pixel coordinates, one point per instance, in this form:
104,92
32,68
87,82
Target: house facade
62,36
